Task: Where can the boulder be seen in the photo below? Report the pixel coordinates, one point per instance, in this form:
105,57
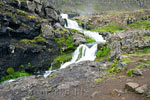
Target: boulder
131,86
137,72
47,31
142,89
78,39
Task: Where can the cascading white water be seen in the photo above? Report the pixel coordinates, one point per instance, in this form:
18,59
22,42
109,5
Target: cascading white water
83,52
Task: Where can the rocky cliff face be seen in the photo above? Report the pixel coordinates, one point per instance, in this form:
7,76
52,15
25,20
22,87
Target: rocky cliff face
26,35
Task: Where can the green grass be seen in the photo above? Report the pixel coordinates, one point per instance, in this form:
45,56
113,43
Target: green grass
65,41
103,52
145,24
142,52
145,60
89,40
126,60
114,68
14,76
139,67
146,37
108,28
99,80
61,59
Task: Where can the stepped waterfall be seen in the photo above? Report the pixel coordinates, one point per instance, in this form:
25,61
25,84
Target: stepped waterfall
83,52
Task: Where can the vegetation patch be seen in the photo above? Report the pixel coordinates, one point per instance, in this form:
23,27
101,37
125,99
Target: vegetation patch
14,75
10,70
89,40
35,40
51,76
59,60
146,37
108,28
145,60
144,24
21,12
142,52
104,51
31,17
140,67
114,69
65,41
126,60
99,80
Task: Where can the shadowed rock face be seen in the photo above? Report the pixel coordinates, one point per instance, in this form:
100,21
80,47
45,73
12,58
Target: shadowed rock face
24,39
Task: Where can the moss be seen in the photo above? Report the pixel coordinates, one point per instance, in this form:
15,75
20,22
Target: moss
21,12
35,40
39,39
27,41
61,59
89,40
66,41
74,30
146,37
14,76
21,66
51,76
108,28
29,64
144,24
99,80
10,70
31,17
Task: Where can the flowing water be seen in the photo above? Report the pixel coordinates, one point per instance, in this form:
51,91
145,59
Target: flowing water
83,52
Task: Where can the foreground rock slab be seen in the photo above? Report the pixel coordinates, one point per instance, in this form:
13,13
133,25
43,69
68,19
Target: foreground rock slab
131,86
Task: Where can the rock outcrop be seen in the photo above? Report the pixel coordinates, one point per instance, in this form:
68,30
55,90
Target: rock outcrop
27,35
126,42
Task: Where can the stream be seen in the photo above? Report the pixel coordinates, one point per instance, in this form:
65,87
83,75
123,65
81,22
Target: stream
83,51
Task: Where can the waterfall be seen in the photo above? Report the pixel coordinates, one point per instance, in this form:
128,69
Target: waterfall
83,52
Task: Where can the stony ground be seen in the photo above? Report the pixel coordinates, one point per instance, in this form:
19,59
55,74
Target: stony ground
112,86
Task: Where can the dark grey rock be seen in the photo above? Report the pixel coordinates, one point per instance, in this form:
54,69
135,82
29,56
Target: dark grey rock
78,39
137,72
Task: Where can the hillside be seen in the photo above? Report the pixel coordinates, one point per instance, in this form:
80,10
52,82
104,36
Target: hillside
86,7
